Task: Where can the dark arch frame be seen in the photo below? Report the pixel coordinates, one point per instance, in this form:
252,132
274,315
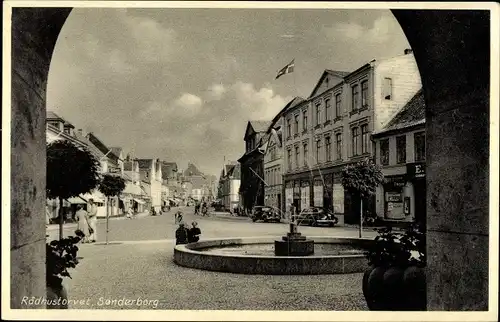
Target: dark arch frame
452,50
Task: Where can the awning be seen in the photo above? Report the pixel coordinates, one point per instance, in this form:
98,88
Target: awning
139,201
88,196
76,200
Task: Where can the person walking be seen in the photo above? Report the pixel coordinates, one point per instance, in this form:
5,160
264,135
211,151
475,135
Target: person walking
181,235
92,218
83,223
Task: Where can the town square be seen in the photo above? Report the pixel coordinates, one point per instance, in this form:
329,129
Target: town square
251,158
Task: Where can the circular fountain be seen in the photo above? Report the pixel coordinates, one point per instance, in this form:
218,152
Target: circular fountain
294,254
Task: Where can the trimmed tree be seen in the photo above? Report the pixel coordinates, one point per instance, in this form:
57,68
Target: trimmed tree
361,180
111,186
71,171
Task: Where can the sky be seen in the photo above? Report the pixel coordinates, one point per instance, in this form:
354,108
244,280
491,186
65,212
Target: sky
181,84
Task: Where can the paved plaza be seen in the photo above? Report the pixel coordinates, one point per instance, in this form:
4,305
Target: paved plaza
138,266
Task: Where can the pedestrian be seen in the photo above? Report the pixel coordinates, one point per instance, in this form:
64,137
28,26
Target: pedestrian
194,233
83,223
178,217
92,218
130,214
181,235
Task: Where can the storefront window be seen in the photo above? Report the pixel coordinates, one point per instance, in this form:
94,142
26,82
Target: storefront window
401,149
419,139
384,152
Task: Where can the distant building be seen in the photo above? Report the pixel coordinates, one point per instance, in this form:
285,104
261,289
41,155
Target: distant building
252,164
151,181
229,186
400,150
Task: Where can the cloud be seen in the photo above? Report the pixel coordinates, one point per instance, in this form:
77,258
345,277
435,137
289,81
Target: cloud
216,91
382,31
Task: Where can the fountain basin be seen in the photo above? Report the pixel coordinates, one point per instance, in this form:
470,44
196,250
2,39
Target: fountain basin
255,255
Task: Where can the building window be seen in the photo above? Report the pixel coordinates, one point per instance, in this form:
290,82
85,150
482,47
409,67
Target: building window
338,103
387,89
401,149
289,159
318,114
288,128
384,152
355,97
355,141
364,94
364,138
318,151
306,154
338,140
328,108
328,149
419,146
297,156
297,124
304,121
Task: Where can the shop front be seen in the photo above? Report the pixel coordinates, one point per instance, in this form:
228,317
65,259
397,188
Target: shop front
416,175
318,192
398,199
305,194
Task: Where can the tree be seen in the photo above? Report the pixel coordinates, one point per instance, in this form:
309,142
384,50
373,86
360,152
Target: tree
71,171
361,180
111,186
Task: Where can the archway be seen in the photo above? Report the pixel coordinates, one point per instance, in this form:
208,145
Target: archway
452,51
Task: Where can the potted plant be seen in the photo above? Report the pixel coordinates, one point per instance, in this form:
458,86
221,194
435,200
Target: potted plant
60,255
395,280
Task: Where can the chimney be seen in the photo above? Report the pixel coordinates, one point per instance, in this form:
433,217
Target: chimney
80,132
408,51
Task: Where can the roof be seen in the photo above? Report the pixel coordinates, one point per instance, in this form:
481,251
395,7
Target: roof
260,126
116,151
145,163
294,102
53,116
413,113
335,73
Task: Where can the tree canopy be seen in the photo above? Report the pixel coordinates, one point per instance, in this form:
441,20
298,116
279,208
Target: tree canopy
362,178
71,170
111,185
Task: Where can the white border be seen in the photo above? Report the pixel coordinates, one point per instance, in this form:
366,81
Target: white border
171,315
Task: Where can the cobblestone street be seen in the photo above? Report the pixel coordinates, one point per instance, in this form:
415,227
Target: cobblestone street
138,265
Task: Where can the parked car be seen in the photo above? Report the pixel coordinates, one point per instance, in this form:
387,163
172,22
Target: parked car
266,214
316,216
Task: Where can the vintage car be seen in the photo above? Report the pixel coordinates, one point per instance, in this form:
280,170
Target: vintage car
266,214
316,216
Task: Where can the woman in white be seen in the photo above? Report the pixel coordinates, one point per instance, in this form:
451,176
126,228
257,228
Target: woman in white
92,211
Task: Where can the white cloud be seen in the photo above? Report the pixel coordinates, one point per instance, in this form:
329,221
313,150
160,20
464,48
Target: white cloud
262,104
383,30
216,91
189,102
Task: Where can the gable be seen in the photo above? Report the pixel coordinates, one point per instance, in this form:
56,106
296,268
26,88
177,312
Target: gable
249,131
328,80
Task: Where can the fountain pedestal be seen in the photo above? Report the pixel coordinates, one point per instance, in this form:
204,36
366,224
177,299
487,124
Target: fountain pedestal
293,244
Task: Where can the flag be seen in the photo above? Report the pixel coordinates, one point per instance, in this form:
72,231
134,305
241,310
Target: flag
287,69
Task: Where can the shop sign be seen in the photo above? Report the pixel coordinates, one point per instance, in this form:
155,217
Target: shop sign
396,181
415,170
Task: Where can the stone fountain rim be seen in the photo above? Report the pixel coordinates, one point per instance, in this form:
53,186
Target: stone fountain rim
193,248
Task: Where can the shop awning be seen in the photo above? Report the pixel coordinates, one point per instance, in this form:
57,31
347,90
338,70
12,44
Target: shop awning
88,196
76,200
139,201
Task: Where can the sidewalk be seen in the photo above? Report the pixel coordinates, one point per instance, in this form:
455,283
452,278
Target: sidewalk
99,220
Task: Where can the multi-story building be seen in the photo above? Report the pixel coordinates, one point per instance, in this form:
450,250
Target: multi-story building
229,186
273,160
400,151
133,195
332,128
252,165
151,181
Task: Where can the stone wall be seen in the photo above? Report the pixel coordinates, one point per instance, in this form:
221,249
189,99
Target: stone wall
34,33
